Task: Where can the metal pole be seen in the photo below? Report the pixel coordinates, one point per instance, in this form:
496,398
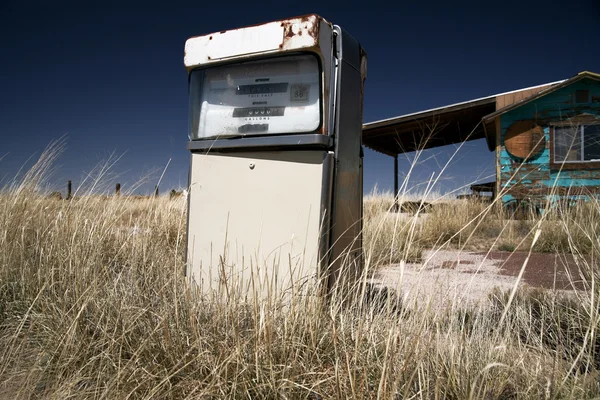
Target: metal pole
396,205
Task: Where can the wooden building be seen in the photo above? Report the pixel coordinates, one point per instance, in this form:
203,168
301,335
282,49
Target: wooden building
546,138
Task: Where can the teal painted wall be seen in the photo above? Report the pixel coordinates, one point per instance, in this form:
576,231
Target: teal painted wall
536,178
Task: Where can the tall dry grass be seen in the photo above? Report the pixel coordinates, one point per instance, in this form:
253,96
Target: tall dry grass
94,304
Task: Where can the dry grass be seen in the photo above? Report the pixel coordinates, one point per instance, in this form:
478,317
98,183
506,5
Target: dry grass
93,304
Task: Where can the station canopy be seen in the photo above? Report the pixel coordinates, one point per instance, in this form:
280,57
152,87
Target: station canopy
443,126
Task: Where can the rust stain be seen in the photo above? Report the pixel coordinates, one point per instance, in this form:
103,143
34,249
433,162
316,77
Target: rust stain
302,24
314,32
288,33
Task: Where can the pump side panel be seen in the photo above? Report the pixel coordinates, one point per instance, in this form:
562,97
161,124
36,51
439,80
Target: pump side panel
346,227
255,218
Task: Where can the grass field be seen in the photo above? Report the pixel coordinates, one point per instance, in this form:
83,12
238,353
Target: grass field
93,304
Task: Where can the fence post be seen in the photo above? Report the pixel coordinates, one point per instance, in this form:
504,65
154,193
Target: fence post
118,189
396,194
69,190
156,191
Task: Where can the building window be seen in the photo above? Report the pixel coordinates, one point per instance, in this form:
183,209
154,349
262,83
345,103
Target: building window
580,143
582,96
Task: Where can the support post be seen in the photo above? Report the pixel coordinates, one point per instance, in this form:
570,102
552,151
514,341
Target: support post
156,191
396,205
118,189
69,190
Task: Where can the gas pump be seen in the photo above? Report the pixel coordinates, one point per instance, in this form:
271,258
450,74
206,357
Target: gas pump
275,182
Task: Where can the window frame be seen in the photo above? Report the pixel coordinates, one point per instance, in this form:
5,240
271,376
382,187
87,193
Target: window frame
568,165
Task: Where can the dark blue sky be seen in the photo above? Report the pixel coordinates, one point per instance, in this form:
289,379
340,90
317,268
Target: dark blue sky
110,75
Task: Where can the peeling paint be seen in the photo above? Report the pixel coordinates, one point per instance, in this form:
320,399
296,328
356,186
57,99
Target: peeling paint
536,179
300,33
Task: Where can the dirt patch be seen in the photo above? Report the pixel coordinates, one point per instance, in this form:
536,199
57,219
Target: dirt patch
449,278
454,264
444,279
549,271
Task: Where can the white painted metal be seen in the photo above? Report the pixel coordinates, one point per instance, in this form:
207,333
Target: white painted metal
287,35
218,46
255,218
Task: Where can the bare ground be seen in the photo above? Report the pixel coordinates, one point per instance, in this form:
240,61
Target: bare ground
447,278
